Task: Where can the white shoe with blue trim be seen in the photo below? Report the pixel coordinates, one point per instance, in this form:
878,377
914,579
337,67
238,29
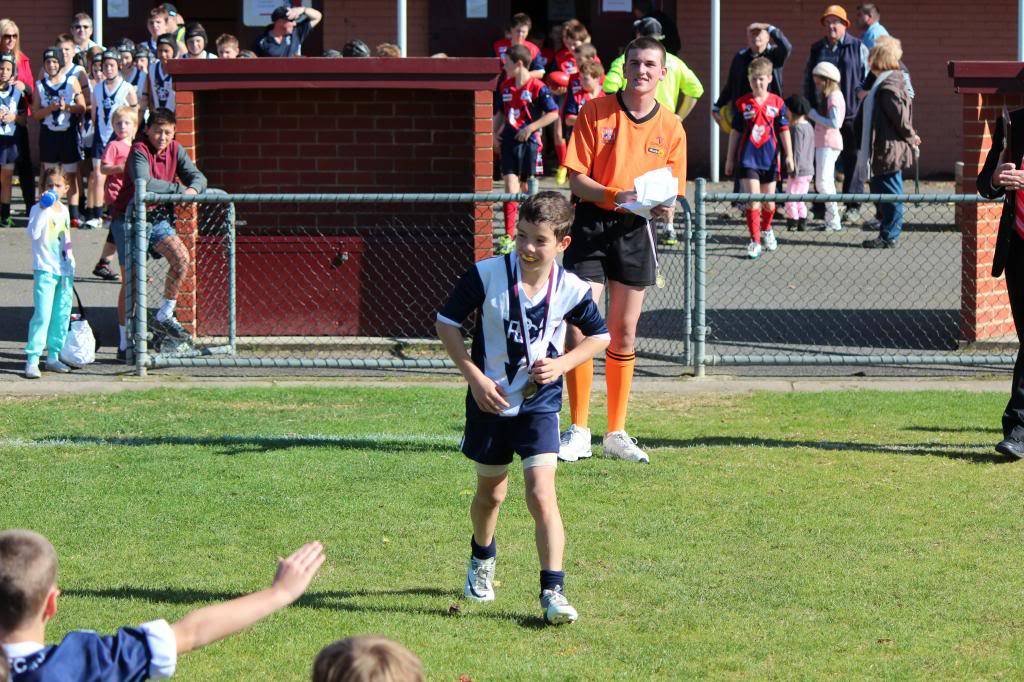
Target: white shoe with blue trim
480,580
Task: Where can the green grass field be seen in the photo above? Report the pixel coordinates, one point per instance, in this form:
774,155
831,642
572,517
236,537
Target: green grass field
852,534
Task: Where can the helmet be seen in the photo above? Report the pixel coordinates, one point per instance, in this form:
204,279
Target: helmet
54,53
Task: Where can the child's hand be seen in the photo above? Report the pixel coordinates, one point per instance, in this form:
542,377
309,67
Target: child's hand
488,395
728,168
524,134
295,573
546,370
790,166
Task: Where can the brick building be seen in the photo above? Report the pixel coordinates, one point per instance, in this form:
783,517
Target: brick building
933,32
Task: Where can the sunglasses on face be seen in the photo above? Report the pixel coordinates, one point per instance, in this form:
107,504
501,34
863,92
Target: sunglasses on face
81,27
10,36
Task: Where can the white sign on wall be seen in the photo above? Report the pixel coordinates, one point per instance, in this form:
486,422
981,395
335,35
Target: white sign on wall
616,5
117,9
257,12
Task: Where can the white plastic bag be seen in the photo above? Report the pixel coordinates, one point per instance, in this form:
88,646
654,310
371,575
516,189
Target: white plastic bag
80,348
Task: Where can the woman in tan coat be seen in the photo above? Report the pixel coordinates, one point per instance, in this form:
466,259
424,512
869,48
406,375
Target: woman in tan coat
888,137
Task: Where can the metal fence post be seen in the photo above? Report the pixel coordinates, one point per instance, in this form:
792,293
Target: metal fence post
532,186
232,292
139,253
700,272
687,285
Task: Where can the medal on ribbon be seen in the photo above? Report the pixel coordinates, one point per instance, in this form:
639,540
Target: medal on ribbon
515,280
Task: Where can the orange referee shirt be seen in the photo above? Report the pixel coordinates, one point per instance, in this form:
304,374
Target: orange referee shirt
613,148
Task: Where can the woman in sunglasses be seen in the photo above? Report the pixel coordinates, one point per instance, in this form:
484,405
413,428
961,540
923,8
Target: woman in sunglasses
10,41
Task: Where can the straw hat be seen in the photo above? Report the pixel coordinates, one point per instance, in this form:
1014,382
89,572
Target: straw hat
838,12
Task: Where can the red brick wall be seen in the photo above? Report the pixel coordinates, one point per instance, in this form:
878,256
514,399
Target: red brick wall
339,141
933,32
985,309
375,23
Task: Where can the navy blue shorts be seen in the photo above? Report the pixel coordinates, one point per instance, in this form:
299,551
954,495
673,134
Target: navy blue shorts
8,151
490,439
58,146
99,146
519,158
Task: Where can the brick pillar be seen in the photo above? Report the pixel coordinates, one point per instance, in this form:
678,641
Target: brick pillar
483,169
984,308
186,216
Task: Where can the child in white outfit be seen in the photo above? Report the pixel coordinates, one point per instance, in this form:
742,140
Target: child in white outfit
828,118
53,274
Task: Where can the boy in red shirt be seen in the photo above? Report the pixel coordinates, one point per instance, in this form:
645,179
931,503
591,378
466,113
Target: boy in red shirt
518,30
523,106
577,95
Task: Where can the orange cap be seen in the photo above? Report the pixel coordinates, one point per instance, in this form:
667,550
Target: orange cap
838,12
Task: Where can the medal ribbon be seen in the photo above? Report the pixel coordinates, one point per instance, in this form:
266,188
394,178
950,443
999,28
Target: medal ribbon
515,281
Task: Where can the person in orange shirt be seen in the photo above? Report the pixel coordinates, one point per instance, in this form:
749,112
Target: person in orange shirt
617,139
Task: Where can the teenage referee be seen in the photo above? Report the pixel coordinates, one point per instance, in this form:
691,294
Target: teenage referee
617,139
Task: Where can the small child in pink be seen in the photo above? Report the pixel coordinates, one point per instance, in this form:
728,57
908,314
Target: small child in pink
125,121
803,156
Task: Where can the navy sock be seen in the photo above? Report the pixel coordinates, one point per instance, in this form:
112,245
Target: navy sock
488,552
550,580
75,213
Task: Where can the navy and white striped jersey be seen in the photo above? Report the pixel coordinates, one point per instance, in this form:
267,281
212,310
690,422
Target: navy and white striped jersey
146,652
497,339
57,121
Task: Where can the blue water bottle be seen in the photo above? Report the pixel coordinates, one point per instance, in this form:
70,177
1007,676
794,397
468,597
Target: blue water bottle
48,199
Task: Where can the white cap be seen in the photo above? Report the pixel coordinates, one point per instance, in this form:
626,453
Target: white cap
827,70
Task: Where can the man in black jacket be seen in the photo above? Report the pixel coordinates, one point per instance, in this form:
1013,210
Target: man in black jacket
646,8
1000,177
764,40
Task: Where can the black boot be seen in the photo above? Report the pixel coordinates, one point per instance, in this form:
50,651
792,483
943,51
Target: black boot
790,224
801,224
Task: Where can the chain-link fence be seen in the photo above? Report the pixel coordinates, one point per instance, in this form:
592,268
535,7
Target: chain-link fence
354,281
335,281
824,297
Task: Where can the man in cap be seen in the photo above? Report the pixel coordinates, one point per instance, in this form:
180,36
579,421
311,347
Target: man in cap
850,56
679,90
355,48
643,9
291,26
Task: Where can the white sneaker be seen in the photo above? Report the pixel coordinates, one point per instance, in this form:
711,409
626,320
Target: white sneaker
57,366
574,444
753,250
557,609
834,227
32,370
618,444
480,580
769,240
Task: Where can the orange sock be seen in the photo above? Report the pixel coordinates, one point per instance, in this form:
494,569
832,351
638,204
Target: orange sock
618,375
578,383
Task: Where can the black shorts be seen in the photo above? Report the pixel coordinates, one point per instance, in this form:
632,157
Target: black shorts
490,439
58,146
608,245
519,158
762,176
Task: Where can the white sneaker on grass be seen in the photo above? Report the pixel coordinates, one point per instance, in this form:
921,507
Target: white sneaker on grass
753,250
769,240
57,366
32,370
574,444
557,609
619,445
480,579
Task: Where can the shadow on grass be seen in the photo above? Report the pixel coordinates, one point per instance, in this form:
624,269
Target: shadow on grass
238,445
959,451
956,429
335,600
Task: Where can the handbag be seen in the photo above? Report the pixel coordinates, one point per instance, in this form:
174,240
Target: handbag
81,345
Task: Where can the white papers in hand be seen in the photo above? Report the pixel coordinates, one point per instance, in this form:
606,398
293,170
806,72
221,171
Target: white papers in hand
654,188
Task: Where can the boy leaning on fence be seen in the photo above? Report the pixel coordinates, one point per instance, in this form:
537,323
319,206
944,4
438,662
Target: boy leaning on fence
167,169
523,301
29,594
